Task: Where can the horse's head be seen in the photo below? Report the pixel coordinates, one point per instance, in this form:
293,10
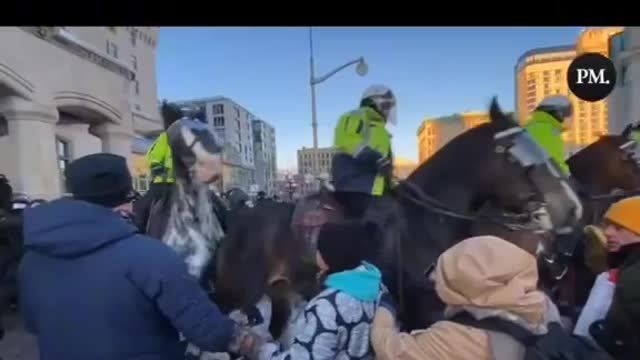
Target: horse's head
607,164
196,151
191,228
520,176
497,169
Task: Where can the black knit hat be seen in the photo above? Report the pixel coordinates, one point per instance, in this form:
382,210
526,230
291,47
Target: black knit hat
102,179
345,245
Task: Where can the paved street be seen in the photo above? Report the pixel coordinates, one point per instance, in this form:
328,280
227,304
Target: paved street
17,344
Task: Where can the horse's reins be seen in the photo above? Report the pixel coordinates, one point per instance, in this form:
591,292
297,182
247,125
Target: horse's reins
615,194
432,204
435,206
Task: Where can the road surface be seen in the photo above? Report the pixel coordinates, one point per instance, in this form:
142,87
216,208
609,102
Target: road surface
17,344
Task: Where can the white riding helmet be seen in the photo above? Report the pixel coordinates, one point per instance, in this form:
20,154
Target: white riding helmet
558,105
383,100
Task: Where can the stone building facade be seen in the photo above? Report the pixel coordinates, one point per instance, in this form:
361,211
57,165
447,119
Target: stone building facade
66,92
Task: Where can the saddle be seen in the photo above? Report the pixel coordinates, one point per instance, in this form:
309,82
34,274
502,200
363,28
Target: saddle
313,211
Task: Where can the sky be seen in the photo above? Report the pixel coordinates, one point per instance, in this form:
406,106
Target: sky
433,72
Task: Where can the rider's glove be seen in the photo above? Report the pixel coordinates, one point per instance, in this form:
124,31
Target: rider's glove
384,166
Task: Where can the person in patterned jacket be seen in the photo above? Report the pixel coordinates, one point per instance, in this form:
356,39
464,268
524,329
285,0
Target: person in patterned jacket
336,323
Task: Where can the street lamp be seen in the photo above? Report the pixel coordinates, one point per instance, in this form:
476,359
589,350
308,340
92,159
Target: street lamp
361,69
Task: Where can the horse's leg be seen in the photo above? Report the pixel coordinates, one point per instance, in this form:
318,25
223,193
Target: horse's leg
279,292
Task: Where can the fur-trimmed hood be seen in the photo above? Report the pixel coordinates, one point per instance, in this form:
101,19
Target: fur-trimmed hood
490,274
484,276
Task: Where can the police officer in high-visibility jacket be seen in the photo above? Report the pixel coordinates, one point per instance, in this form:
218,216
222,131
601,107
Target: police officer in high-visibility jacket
363,165
161,166
547,124
159,155
160,161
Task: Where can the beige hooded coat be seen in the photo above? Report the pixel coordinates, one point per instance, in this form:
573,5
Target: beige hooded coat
485,276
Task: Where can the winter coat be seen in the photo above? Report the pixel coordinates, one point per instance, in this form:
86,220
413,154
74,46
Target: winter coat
337,322
161,160
91,288
619,333
547,131
484,276
361,141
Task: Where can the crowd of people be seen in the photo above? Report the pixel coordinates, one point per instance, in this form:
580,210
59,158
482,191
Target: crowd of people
92,285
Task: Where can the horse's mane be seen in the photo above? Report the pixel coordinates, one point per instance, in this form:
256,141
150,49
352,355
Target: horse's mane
469,145
598,152
193,230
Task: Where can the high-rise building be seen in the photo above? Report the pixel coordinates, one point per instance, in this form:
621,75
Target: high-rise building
543,72
540,73
66,92
233,124
624,107
264,150
435,132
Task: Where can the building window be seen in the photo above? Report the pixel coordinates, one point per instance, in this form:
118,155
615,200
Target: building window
218,109
237,113
141,183
112,49
4,126
134,62
133,38
218,121
112,29
63,152
622,76
137,107
136,87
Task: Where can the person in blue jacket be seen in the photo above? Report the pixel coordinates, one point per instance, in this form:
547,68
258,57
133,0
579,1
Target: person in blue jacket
91,287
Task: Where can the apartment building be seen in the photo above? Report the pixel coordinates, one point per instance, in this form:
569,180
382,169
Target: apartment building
232,123
624,107
315,161
435,132
312,165
543,72
264,155
66,92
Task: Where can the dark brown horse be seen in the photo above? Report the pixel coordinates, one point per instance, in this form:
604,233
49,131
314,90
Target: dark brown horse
605,171
494,173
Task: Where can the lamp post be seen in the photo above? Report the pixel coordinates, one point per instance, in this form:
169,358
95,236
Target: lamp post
361,69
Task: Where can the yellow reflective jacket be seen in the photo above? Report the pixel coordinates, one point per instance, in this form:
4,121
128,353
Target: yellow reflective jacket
361,139
161,161
547,131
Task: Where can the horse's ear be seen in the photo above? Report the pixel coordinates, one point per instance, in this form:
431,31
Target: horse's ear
499,118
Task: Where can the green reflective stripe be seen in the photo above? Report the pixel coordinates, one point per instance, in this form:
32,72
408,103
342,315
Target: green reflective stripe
162,180
378,186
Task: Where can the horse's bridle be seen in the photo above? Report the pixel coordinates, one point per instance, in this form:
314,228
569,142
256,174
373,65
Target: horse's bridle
519,146
511,221
514,143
